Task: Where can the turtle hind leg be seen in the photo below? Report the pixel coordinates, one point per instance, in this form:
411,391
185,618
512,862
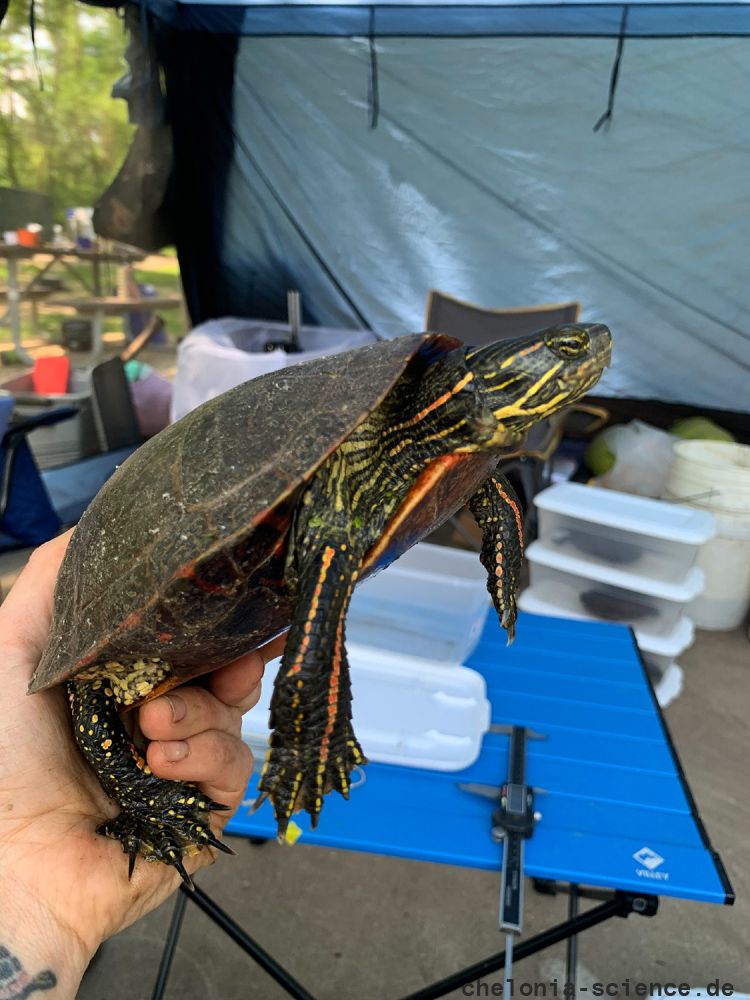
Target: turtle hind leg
497,511
344,752
313,748
161,820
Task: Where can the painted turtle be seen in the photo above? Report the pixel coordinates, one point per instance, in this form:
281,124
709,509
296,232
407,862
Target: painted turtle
260,510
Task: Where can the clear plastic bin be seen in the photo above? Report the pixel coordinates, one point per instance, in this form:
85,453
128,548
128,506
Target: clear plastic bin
660,652
432,603
406,711
652,538
596,591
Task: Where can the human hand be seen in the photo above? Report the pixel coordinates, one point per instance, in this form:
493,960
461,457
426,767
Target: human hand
64,888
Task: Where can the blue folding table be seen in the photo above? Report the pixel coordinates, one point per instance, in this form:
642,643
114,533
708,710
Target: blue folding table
616,811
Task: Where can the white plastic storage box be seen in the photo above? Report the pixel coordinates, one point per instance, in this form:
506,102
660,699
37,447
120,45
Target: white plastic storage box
432,603
649,537
658,652
406,710
609,594
71,439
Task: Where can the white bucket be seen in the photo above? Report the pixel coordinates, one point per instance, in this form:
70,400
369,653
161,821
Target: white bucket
715,476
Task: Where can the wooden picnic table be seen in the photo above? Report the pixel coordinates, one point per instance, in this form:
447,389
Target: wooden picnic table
112,305
66,256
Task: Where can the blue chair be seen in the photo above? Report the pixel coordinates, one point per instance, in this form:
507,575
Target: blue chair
35,506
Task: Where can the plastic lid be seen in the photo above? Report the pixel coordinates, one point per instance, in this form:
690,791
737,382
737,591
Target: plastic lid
671,644
641,515
690,587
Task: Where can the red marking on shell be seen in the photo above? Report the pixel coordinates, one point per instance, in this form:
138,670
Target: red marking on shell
132,621
164,637
185,572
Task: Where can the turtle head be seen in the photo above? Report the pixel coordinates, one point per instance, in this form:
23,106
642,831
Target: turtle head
527,379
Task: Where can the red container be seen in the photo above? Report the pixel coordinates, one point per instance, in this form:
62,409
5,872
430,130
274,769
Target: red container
51,374
27,239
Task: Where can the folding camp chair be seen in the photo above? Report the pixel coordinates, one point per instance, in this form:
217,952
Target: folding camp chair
479,325
34,505
618,822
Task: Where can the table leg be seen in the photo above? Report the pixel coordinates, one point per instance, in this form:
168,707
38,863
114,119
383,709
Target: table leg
38,276
14,311
96,334
35,317
97,278
76,275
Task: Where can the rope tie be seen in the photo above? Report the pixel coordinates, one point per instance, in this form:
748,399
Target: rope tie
606,118
32,27
373,88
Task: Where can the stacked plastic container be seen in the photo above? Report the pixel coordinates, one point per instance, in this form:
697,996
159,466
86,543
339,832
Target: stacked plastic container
621,558
409,630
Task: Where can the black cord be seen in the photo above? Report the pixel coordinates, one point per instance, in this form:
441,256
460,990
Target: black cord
373,86
606,118
32,26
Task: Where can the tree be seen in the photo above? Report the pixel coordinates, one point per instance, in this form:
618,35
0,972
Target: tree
60,131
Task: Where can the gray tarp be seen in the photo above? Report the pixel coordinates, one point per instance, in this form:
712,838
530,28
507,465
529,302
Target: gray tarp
485,179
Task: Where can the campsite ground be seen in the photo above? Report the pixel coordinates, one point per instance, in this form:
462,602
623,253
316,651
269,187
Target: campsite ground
373,928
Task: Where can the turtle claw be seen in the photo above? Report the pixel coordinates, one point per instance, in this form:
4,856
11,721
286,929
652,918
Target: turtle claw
132,855
168,824
218,806
259,800
219,844
293,781
186,880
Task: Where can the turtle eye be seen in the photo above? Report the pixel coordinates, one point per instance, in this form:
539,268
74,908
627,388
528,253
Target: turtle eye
569,344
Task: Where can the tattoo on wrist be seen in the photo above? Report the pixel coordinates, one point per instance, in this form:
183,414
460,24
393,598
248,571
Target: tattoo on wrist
15,981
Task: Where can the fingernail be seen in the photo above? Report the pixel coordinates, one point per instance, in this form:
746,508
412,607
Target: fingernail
178,706
174,750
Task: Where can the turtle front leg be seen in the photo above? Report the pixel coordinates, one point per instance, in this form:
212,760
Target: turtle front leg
313,748
497,511
159,819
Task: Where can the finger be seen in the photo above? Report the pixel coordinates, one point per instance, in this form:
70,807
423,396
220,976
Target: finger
237,683
26,613
190,710
219,763
273,648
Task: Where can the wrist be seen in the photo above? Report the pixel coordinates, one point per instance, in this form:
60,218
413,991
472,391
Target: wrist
37,951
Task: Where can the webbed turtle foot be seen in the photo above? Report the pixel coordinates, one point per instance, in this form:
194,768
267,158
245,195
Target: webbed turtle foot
297,777
171,824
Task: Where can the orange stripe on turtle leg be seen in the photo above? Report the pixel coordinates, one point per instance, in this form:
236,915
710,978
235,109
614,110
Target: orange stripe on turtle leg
306,751
508,496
